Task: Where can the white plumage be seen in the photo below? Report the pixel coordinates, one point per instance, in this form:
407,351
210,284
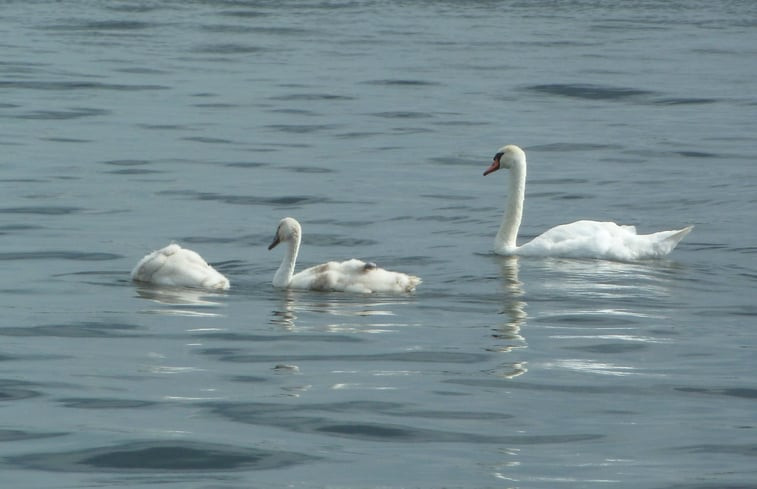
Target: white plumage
580,239
348,276
178,267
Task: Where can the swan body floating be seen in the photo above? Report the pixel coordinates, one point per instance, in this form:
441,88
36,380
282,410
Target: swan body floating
580,239
178,267
346,276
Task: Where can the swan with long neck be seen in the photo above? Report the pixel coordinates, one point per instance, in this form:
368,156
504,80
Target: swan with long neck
580,239
175,266
347,276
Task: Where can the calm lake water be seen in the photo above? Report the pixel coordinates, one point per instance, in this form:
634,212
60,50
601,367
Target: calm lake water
127,125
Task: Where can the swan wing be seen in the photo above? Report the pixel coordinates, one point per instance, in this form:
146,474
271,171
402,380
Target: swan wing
604,240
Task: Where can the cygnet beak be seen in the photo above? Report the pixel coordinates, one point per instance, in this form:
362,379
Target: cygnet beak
276,241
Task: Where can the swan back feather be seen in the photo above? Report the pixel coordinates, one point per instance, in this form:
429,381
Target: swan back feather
175,266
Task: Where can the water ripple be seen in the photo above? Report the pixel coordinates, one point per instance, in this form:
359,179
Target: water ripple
58,255
171,456
589,91
293,419
19,435
79,330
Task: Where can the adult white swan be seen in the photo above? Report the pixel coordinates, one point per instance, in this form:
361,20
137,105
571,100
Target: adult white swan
580,239
348,276
178,267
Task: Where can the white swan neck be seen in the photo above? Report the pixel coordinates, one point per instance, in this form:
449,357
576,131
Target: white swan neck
283,275
507,235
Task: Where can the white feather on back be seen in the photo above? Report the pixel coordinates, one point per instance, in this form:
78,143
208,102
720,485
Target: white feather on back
178,267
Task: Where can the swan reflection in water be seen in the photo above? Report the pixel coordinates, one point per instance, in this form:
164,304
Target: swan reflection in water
181,301
514,310
358,313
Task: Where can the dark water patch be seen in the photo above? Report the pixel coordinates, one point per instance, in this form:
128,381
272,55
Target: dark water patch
129,165
302,128
697,154
245,164
16,390
13,228
256,338
60,115
141,70
746,450
248,379
215,105
740,392
58,86
102,25
19,435
207,140
134,171
402,114
244,14
303,419
313,97
585,319
406,131
236,356
163,456
402,82
685,101
164,127
67,140
589,91
569,388
132,8
609,347
228,28
58,255
308,169
294,111
282,201
94,403
85,329
227,49
719,484
357,135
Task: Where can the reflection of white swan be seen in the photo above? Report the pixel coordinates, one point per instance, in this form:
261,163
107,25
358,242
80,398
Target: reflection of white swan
178,267
350,276
515,312
515,307
580,239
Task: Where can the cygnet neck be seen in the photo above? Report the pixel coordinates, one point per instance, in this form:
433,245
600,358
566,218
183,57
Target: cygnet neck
283,275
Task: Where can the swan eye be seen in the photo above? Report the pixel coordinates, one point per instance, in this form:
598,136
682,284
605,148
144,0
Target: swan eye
498,156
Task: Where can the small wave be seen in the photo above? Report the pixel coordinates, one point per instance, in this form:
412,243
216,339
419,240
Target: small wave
58,255
173,456
74,85
589,91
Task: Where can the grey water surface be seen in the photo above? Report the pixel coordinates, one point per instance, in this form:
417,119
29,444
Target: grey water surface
126,125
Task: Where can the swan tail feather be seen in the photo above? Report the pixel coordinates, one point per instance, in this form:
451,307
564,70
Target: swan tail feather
670,239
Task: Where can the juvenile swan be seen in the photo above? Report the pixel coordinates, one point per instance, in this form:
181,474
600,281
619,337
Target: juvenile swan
348,276
178,267
580,239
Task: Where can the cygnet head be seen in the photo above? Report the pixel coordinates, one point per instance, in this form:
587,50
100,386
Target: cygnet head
289,229
506,157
